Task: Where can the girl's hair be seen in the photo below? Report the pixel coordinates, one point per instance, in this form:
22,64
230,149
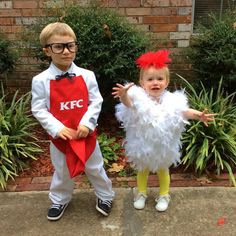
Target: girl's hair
167,72
56,28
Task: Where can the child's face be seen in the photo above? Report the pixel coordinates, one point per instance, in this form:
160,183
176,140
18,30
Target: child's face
154,81
64,59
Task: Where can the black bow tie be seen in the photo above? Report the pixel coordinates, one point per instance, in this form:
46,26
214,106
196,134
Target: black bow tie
66,75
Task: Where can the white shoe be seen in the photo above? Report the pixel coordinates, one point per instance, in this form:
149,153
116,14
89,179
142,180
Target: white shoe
139,201
162,202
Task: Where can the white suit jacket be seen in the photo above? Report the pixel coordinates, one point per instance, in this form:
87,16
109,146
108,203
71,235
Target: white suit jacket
40,103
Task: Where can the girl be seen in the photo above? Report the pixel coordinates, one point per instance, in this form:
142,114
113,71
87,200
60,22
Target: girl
154,119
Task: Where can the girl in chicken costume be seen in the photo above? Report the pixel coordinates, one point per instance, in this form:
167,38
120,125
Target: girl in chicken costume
154,119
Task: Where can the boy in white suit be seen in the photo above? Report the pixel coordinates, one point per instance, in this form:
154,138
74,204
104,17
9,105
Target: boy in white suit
67,102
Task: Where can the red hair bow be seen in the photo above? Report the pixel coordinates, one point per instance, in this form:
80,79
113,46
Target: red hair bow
158,59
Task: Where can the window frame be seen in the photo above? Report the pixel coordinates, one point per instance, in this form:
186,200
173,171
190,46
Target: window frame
193,12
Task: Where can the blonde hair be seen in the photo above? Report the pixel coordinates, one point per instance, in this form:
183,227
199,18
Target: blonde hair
167,72
56,28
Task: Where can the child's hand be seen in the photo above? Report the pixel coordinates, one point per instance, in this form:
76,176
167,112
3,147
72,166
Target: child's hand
82,131
120,91
206,117
67,133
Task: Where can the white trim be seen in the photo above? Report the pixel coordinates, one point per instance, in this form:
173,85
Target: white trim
193,11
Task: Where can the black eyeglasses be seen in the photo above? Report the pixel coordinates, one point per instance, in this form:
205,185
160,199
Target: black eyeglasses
59,48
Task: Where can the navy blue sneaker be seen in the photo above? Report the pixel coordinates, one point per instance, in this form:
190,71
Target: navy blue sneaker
104,207
56,211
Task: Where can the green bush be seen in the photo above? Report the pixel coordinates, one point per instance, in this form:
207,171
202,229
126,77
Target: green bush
17,142
110,149
108,44
211,148
212,51
8,55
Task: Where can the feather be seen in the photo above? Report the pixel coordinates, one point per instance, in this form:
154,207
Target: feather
153,130
158,59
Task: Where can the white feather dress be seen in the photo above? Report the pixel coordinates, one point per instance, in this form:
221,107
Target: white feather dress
153,130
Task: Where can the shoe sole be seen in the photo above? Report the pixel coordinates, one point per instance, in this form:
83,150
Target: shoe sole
59,216
161,210
139,208
101,211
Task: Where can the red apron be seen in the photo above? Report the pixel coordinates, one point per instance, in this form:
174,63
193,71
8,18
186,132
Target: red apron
68,103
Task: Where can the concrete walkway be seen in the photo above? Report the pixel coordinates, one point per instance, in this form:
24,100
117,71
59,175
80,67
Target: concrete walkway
192,212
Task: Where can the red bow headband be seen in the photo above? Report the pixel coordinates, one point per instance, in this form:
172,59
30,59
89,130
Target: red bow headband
158,59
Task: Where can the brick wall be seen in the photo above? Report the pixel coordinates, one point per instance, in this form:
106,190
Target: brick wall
167,20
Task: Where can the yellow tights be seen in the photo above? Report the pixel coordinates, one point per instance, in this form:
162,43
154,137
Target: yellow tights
164,180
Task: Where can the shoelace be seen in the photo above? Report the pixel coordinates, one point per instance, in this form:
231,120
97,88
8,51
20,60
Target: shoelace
139,196
107,202
66,75
56,206
165,197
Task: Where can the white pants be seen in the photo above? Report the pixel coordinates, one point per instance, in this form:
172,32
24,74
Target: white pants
62,185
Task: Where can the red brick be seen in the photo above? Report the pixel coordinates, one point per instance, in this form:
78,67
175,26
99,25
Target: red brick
182,177
164,11
5,4
10,29
163,28
109,3
138,11
25,4
9,188
156,19
161,35
220,183
181,3
152,177
157,3
134,19
129,3
132,184
181,19
127,179
42,3
41,180
33,12
32,187
190,183
9,13
7,21
223,176
121,3
153,183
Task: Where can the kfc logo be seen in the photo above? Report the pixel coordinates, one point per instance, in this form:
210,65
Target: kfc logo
71,105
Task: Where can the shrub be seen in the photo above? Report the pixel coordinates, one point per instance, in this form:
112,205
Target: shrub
108,44
211,148
8,55
212,51
110,149
17,142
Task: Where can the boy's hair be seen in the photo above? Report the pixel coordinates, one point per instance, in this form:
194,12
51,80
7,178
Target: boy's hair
167,72
56,28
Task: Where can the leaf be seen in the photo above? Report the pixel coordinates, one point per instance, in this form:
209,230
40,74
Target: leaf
204,180
115,168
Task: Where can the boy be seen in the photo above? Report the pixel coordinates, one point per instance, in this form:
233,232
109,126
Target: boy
66,101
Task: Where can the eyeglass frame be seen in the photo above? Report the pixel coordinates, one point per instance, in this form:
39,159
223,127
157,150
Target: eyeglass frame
65,45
